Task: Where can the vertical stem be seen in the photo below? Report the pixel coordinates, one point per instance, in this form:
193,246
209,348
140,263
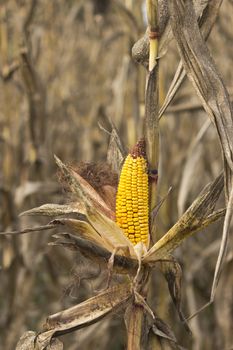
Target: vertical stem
134,319
152,10
152,106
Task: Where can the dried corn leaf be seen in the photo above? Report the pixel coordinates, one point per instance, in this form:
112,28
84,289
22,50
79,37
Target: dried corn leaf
95,252
110,232
28,339
206,23
84,230
55,210
193,156
86,313
173,274
202,72
84,191
174,86
205,78
162,337
107,228
29,230
197,216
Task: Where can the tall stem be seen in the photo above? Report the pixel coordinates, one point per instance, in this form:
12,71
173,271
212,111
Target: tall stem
152,14
151,106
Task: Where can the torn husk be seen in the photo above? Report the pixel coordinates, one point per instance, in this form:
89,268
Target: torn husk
85,313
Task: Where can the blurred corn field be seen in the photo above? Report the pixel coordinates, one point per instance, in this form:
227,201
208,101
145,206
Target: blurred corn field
67,75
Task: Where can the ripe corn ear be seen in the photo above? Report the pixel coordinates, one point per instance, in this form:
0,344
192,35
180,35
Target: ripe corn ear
132,207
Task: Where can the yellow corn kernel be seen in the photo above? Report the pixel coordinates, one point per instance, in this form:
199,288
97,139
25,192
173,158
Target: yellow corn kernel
132,196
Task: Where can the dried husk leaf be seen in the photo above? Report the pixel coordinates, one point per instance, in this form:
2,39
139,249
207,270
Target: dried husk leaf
93,195
107,228
196,217
83,190
28,339
86,313
29,230
110,232
96,253
83,229
55,210
101,178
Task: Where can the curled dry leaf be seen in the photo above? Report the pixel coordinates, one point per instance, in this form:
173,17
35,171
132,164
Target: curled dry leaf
94,207
162,337
55,210
95,253
196,217
85,313
83,190
173,274
83,229
208,12
203,74
101,178
110,232
28,340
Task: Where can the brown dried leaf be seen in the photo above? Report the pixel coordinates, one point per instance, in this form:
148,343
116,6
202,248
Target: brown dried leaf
208,84
162,337
29,230
84,230
191,164
110,232
202,72
206,22
95,253
55,210
173,274
83,190
102,178
86,313
28,340
196,217
107,228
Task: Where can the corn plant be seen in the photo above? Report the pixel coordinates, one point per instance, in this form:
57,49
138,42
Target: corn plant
121,238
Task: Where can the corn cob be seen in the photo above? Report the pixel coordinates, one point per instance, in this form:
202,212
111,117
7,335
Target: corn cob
132,208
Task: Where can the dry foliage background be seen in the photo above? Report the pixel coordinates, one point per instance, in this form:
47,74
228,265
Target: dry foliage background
66,70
